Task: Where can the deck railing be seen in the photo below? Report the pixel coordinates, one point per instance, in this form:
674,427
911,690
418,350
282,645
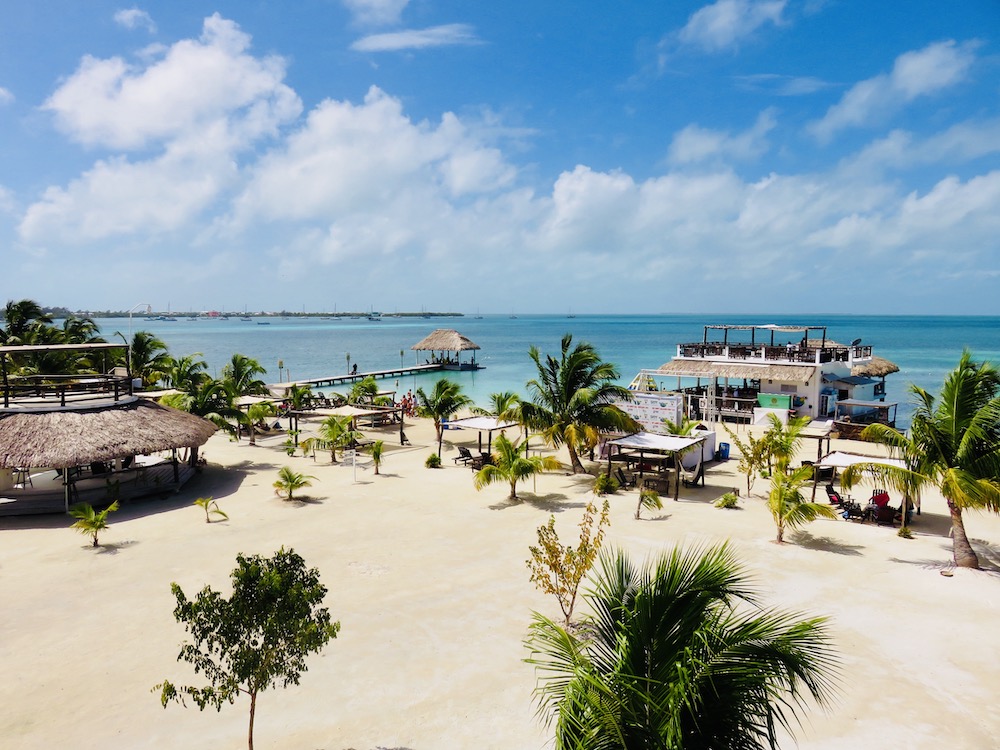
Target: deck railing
788,353
62,390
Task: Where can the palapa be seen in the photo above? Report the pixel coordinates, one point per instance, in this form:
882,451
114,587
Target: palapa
878,367
445,340
64,438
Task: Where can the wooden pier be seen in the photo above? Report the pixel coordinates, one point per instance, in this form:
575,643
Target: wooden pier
335,380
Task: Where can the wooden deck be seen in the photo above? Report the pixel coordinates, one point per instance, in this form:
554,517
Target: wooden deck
45,494
334,380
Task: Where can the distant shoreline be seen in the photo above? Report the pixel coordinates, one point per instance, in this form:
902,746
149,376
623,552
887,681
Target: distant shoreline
61,312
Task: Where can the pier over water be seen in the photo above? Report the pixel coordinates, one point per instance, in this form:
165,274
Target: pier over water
335,380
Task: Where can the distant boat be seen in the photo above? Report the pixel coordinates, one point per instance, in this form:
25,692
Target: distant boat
263,322
245,319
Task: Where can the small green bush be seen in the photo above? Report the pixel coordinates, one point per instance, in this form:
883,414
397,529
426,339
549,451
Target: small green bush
729,500
605,485
433,461
905,532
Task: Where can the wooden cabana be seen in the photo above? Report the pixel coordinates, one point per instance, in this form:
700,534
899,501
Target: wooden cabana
489,425
448,341
67,438
664,449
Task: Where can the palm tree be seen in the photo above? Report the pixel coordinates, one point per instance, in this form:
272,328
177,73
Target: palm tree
376,450
290,480
363,392
509,465
443,402
254,415
678,654
149,358
788,505
19,318
240,376
504,406
299,396
207,399
337,432
186,373
783,440
90,521
573,399
953,444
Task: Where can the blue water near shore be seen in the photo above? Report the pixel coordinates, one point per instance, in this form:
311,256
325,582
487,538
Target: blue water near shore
924,347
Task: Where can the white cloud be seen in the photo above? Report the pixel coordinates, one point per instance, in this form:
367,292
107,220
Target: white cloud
133,18
696,144
6,97
915,74
781,85
108,102
435,36
725,23
376,12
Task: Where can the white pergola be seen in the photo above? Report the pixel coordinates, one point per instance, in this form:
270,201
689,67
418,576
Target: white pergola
489,425
648,442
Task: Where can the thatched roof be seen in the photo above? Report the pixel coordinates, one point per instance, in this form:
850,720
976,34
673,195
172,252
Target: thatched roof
707,368
58,439
878,367
444,340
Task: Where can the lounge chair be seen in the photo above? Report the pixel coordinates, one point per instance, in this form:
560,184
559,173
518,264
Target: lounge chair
886,515
835,498
624,481
480,461
464,455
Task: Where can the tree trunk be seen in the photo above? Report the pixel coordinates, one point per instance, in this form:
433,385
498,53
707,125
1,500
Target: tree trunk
781,533
253,710
513,491
574,460
962,552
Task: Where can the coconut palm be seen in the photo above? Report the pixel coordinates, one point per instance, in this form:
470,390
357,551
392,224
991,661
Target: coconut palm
299,396
376,449
290,480
504,406
783,440
186,373
90,521
788,505
572,399
511,464
254,415
210,507
363,392
19,319
149,358
337,432
678,654
240,376
953,444
443,402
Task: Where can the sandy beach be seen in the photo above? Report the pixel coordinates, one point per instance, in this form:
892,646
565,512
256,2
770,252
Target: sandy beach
428,579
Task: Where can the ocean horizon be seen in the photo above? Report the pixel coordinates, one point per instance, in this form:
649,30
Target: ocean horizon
925,348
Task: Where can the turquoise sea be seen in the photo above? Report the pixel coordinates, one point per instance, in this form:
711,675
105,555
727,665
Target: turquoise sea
924,347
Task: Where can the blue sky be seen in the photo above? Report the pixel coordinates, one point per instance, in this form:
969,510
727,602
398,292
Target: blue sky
737,156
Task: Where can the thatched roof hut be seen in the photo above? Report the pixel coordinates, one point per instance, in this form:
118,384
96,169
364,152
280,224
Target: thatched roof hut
878,367
444,340
66,438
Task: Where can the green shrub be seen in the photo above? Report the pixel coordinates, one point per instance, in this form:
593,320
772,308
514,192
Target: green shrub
433,461
905,532
729,500
605,485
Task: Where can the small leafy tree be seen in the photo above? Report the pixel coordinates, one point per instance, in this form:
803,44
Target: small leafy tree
788,505
559,569
375,450
753,457
290,480
512,467
90,521
210,507
648,499
257,638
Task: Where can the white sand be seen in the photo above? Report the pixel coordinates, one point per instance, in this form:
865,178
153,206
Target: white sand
428,579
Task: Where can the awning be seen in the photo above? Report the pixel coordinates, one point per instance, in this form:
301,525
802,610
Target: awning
842,459
648,441
869,404
706,368
480,423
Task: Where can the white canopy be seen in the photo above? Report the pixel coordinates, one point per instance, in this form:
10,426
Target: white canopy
481,423
650,442
842,459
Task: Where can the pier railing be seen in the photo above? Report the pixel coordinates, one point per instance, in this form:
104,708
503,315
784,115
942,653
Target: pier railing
39,391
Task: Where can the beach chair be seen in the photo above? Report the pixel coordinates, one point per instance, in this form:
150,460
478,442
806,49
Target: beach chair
833,495
623,481
464,455
886,515
480,461
854,512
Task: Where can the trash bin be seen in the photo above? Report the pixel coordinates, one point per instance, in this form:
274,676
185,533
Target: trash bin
723,451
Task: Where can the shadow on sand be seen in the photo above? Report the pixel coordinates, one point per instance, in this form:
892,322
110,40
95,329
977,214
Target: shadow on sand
825,544
552,503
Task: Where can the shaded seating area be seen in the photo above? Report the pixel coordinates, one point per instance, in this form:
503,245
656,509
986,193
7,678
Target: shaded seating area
446,346
657,458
